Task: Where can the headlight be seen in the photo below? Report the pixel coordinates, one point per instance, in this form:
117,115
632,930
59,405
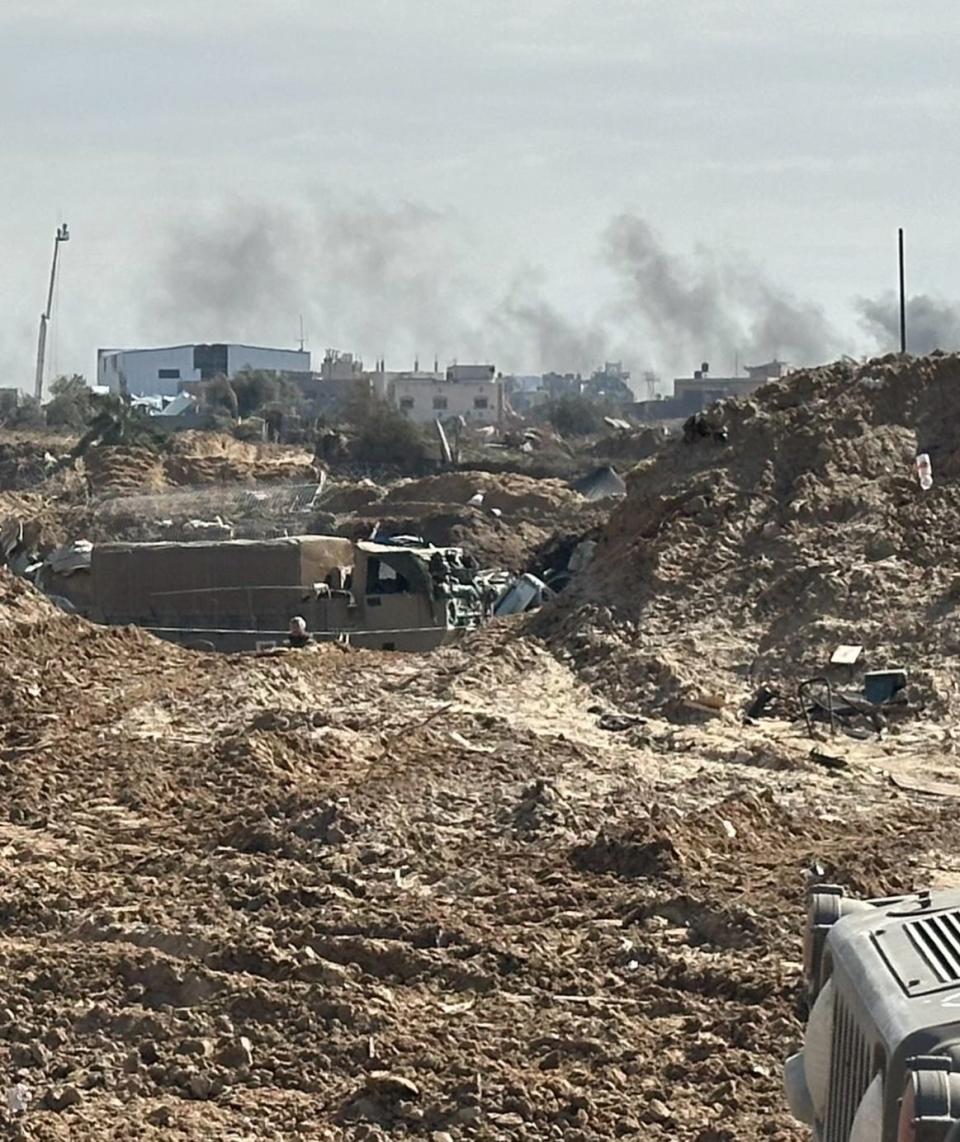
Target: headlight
930,1104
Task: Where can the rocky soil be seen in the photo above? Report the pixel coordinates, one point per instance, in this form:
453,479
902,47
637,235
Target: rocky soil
545,884
346,895
731,564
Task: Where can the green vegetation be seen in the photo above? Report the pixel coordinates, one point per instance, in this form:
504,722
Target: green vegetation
575,416
385,436
73,404
29,414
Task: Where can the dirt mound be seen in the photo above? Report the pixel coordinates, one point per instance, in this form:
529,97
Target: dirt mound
47,521
26,461
806,529
344,497
212,458
510,493
636,445
341,894
194,459
516,517
520,888
124,468
21,605
494,542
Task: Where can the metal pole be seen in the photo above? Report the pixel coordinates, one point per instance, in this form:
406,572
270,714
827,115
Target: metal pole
903,300
53,274
41,349
63,235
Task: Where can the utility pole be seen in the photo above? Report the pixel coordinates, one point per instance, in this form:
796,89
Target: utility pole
63,235
903,299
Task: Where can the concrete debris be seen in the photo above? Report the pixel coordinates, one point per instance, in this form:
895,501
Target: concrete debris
846,655
603,483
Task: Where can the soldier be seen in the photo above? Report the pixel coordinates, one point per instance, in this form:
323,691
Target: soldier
297,635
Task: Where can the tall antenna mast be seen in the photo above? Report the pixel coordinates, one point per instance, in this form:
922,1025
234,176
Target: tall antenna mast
63,235
301,332
903,297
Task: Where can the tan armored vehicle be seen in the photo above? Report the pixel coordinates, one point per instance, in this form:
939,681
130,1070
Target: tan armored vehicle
242,594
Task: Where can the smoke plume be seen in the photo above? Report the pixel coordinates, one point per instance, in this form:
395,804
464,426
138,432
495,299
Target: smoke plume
526,322
399,282
708,307
932,323
393,282
359,276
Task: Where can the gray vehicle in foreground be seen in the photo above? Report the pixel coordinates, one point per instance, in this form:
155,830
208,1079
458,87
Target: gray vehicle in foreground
881,1052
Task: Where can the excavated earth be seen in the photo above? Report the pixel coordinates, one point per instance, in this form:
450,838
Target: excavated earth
750,560
517,516
544,884
334,894
209,484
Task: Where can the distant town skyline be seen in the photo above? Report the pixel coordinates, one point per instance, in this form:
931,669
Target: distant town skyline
546,185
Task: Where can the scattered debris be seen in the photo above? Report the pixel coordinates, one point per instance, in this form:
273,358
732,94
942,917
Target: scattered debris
881,686
828,760
616,723
846,655
524,594
760,701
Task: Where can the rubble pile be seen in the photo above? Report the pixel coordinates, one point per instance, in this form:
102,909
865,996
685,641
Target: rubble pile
781,527
502,518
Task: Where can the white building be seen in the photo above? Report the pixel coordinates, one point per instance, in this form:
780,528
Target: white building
470,391
161,372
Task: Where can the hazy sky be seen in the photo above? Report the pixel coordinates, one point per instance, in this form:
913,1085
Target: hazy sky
473,177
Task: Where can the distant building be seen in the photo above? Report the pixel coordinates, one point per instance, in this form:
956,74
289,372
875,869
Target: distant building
469,391
771,371
471,373
690,394
611,383
562,384
337,366
163,372
332,391
524,393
